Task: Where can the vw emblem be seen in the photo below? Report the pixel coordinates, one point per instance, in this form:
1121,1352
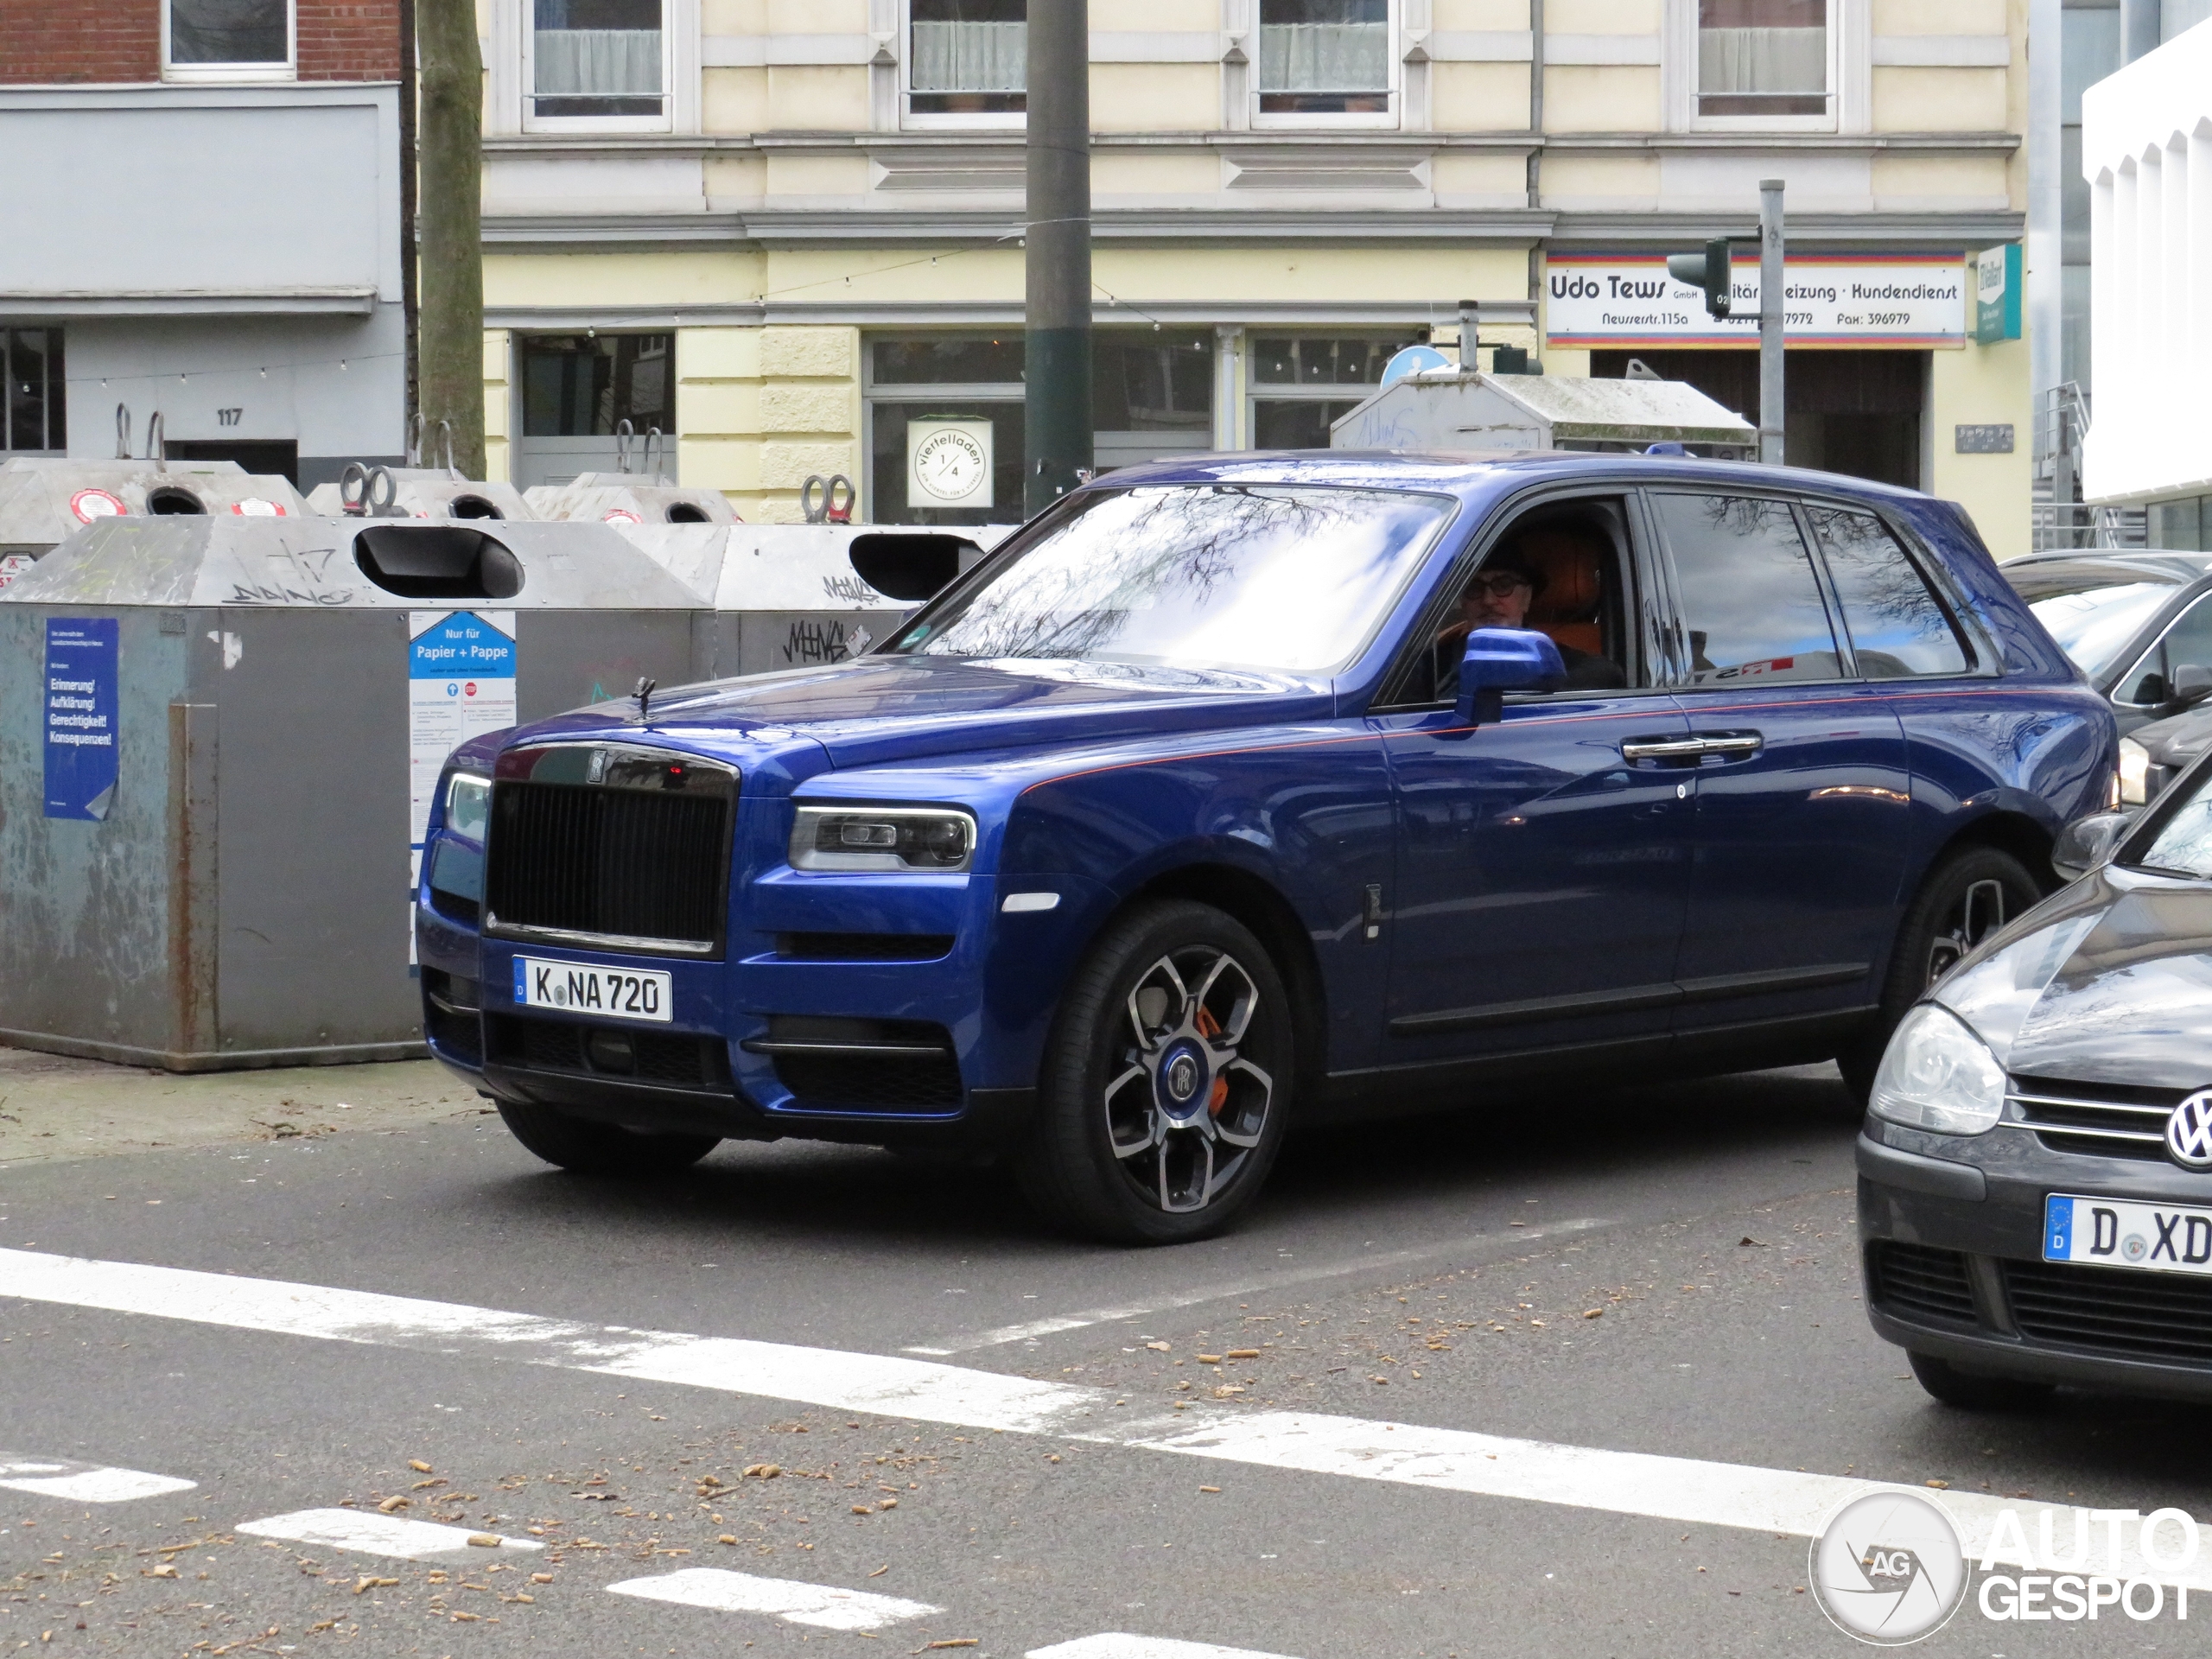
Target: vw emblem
2188,1131
1183,1076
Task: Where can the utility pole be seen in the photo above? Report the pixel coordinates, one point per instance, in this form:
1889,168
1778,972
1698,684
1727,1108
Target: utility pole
410,274
1773,303
1056,374
451,172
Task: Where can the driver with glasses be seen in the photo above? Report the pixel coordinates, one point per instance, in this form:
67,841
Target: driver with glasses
1499,596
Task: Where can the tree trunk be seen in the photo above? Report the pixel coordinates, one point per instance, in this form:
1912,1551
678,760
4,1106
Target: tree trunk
451,191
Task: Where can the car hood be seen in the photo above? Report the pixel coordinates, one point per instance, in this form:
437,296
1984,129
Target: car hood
2110,982
2177,740
884,708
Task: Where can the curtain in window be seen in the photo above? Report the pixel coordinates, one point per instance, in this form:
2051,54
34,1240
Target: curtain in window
227,31
1325,57
597,62
1749,61
971,57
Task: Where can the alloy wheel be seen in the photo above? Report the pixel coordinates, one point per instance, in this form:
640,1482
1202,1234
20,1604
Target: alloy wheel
1187,1109
1978,913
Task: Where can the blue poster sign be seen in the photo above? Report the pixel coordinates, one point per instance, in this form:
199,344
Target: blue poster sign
81,716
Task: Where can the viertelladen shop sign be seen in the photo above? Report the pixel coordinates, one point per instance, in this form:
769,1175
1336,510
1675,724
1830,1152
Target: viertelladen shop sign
1889,299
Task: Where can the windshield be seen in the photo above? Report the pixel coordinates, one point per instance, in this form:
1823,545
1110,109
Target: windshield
2094,617
1266,576
2183,844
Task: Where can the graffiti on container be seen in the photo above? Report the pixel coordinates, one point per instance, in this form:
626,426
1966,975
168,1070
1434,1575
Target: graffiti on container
811,640
307,567
848,587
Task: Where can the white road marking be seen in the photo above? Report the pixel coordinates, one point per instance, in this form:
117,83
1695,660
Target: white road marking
1512,1240
84,1483
818,1604
1624,1482
371,1534
1117,1646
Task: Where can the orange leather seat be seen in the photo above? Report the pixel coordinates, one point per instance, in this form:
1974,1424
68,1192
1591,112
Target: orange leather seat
1567,608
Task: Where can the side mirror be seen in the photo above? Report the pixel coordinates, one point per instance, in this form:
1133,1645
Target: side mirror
2087,843
2192,683
1499,660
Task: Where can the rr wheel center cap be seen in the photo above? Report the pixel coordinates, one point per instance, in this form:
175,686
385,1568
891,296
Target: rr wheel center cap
1184,1080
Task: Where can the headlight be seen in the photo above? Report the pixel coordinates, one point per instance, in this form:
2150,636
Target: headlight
894,838
468,804
1937,1075
2134,772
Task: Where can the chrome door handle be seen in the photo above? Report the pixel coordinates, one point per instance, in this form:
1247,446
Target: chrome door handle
1662,748
1731,743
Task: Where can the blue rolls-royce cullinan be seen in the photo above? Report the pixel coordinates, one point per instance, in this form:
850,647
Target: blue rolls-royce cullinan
1238,792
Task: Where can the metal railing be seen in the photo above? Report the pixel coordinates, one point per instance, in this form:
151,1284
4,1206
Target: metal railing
2061,519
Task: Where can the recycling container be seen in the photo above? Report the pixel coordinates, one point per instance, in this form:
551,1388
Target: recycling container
218,740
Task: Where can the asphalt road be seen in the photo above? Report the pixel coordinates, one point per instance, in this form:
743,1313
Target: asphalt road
1524,1295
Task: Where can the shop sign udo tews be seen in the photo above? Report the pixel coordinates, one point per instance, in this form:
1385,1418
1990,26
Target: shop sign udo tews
1612,299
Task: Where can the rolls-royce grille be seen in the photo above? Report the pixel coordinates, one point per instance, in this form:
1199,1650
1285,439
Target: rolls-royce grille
1927,1286
2105,1120
625,864
2133,1315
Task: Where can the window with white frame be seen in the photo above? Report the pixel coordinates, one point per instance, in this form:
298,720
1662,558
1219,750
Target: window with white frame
968,60
1762,59
226,39
1325,58
604,62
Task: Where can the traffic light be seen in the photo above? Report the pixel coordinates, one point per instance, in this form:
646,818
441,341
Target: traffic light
1707,271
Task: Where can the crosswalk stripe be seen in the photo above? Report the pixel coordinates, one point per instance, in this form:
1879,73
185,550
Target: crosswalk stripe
818,1604
1625,1483
84,1483
1114,1645
370,1534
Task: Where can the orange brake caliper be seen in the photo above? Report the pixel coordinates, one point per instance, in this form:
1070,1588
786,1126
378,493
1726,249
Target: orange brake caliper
1210,1028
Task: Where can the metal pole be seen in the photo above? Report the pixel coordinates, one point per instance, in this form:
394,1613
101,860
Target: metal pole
1056,372
1772,300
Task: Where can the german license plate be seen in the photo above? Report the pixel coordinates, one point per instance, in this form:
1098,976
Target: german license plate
2114,1233
579,987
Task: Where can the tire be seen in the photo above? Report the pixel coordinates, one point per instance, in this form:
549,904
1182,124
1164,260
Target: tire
1166,1081
1963,900
585,1147
1971,1390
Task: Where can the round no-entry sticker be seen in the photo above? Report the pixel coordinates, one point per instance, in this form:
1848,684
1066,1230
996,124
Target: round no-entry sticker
254,507
619,515
89,505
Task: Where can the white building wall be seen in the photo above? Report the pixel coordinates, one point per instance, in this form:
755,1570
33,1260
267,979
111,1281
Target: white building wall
2146,151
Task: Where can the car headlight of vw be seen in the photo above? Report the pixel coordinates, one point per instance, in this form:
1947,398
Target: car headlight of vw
895,839
1937,1075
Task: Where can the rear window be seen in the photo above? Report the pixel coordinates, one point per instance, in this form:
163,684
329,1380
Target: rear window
1750,602
2094,612
1897,628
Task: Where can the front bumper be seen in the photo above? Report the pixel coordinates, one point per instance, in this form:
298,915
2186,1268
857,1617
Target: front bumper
773,1041
1952,1264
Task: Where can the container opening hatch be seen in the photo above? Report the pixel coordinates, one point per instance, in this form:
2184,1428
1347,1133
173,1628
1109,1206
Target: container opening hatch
170,500
683,512
433,560
473,506
909,568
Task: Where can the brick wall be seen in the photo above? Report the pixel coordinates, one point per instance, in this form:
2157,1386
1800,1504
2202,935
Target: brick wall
64,41
347,40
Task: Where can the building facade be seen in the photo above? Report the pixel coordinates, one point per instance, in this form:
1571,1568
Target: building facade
2147,167
200,200
789,233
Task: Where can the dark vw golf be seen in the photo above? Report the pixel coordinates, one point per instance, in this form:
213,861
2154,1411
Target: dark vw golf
1247,791
2036,1174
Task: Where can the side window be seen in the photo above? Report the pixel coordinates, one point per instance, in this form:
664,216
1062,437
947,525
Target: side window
2189,640
1751,603
1559,569
1898,628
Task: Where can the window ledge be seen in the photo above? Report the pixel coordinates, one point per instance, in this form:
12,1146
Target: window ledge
204,74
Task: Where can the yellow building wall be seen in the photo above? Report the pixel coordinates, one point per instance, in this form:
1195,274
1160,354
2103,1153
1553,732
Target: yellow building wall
1980,385
497,354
